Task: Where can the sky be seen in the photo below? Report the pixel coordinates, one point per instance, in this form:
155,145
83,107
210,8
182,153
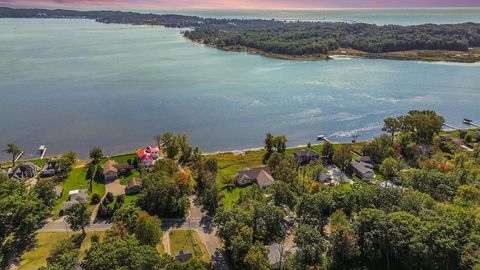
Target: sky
242,4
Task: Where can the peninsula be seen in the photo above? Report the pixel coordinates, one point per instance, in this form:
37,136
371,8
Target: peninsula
300,40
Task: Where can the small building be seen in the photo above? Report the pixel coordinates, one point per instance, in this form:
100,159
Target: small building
183,255
260,176
275,255
79,195
148,155
134,186
51,169
306,156
74,197
362,169
110,171
23,171
452,139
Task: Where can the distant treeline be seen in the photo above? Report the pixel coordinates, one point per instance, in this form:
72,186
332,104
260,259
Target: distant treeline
289,38
306,38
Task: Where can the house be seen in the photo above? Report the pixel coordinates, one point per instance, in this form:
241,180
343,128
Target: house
260,176
183,255
79,195
305,156
322,176
134,186
74,197
277,255
51,169
362,169
452,139
148,155
110,171
23,171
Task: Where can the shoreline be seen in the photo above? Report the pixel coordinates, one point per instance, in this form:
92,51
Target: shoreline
465,57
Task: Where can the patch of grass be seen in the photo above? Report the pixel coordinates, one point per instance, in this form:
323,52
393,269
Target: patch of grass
76,180
232,197
120,158
46,242
131,199
187,240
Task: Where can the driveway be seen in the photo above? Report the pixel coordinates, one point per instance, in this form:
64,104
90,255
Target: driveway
115,188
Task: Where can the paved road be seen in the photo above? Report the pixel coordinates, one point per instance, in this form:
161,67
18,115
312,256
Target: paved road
60,225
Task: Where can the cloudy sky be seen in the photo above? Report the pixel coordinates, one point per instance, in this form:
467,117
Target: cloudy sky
245,4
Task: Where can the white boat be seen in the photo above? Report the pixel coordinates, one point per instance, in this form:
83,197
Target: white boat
321,137
41,148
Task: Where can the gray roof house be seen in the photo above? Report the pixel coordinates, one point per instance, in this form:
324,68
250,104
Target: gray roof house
183,255
277,255
260,176
133,186
362,169
74,197
322,176
305,156
23,171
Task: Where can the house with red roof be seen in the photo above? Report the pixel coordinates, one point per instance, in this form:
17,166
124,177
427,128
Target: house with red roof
148,155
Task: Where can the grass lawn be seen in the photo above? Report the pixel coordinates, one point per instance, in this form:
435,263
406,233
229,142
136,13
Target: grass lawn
232,197
131,199
76,180
120,158
47,241
187,240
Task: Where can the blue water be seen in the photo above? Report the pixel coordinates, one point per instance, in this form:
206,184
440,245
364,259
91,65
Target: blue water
74,84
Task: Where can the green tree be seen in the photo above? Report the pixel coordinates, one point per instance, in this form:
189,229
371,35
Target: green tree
63,256
269,145
121,252
342,157
274,160
282,194
256,258
379,149
78,217
392,126
280,143
45,191
96,154
423,125
328,151
311,246
148,230
66,162
128,216
389,167
13,150
158,140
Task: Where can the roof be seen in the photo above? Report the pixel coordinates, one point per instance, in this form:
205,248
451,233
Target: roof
306,153
264,179
361,166
78,193
134,182
110,166
253,173
122,166
261,174
146,153
323,177
274,253
183,252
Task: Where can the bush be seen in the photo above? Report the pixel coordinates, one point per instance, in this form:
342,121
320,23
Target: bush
121,199
109,197
95,198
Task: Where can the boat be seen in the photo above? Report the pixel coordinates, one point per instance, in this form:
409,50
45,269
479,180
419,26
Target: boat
467,121
41,149
321,137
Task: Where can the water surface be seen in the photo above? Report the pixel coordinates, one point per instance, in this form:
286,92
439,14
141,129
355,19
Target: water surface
73,84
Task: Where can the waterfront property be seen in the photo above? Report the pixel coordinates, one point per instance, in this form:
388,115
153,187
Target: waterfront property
148,155
306,156
23,171
362,169
260,176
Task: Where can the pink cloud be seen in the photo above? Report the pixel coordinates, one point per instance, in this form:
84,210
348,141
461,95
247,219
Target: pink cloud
245,4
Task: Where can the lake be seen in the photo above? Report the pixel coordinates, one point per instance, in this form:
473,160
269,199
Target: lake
74,84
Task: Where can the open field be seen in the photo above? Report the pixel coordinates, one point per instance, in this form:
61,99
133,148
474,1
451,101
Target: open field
187,240
46,242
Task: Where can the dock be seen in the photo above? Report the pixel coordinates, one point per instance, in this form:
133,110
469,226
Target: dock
471,123
452,127
19,156
42,150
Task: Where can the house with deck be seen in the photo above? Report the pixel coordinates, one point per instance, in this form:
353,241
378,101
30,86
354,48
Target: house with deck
23,171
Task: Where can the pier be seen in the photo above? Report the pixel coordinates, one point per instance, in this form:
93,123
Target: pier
470,122
452,127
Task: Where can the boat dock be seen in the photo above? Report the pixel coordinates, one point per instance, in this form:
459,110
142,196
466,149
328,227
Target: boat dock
452,127
470,122
19,156
42,150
